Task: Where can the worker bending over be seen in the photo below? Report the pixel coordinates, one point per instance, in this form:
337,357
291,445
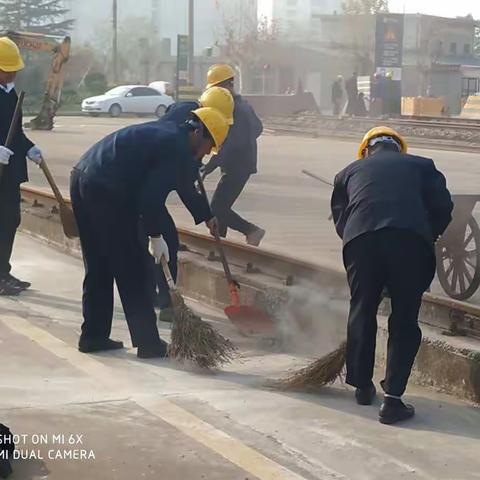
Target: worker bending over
179,112
12,164
237,160
389,208
123,181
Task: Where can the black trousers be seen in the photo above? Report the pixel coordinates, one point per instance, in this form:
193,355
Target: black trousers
112,251
158,283
9,222
226,194
404,263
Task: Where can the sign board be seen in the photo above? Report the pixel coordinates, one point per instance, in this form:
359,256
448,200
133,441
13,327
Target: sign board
389,41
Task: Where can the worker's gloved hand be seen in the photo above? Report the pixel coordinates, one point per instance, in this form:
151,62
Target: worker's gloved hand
158,248
5,154
35,155
212,226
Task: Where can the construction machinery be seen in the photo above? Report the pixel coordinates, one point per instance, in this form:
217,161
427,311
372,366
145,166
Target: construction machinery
59,47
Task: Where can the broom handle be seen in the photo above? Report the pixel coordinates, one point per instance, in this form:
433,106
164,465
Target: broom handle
13,124
167,273
316,177
52,183
218,240
320,179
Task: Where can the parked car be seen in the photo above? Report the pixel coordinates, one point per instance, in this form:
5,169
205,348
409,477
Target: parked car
138,99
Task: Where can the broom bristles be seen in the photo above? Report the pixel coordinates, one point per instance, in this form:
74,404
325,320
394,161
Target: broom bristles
197,341
321,372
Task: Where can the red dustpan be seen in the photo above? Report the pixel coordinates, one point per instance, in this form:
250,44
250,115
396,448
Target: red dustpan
248,319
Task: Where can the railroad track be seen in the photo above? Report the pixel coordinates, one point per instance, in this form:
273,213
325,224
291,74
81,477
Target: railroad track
431,122
454,317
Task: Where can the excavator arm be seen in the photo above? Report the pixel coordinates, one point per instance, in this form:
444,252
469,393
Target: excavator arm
60,49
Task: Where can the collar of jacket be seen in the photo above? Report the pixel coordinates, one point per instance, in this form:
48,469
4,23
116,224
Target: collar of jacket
8,87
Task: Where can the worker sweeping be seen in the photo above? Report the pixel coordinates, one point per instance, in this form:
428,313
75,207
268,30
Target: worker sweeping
179,112
237,160
121,181
13,164
389,208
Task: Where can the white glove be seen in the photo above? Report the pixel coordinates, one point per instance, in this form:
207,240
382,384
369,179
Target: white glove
35,155
158,248
5,154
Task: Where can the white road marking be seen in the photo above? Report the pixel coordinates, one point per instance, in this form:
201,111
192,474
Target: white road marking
230,448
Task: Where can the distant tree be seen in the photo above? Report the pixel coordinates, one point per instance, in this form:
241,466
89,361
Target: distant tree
137,59
39,16
359,7
241,36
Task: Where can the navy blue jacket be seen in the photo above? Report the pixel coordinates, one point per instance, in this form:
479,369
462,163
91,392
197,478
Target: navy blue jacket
179,112
392,190
144,163
238,154
16,171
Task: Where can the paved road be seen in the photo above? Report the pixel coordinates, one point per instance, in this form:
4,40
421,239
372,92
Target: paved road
154,420
293,208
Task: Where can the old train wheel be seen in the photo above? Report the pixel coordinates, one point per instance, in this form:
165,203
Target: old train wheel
458,267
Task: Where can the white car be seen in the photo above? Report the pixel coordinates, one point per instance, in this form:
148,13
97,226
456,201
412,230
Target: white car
128,99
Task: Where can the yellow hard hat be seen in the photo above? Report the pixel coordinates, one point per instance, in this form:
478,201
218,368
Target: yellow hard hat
219,73
10,58
220,99
381,132
215,123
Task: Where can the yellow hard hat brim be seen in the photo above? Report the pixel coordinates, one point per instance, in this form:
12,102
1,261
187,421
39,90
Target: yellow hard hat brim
215,84
12,68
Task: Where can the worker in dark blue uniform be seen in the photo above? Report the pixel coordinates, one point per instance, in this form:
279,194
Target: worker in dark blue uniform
123,181
12,164
389,208
179,112
237,160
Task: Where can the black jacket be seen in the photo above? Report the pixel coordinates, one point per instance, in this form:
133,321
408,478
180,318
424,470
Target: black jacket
179,112
144,163
391,190
16,171
238,154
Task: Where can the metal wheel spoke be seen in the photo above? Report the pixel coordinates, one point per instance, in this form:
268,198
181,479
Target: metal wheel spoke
448,271
467,274
468,262
461,278
468,240
454,280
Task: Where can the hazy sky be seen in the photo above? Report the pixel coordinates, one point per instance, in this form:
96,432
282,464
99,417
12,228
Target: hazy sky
437,7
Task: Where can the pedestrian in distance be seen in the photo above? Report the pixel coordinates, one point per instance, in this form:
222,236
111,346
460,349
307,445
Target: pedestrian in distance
13,164
337,95
389,208
237,159
179,113
119,183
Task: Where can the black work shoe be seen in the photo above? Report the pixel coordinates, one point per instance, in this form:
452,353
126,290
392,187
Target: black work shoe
92,346
393,410
365,395
7,289
254,239
15,282
159,350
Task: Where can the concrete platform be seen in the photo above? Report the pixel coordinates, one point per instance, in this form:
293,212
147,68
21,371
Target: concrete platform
155,419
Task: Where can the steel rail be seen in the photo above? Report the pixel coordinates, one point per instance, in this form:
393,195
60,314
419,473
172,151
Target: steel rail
288,270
